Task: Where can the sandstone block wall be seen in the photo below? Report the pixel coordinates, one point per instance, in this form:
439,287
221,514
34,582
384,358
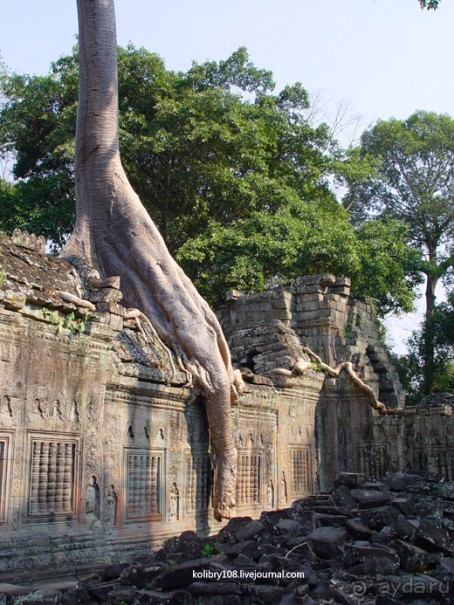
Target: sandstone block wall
267,330
104,450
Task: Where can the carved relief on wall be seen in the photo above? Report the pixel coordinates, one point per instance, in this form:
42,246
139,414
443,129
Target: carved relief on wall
6,408
283,491
270,495
301,470
198,478
144,484
110,506
52,488
92,500
443,459
363,460
377,460
250,477
43,407
4,450
174,512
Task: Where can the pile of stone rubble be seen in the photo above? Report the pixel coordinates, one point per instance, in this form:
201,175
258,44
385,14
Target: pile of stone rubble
382,543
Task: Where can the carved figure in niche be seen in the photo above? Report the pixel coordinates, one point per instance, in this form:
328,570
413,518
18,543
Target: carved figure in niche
92,500
270,495
283,494
5,406
55,411
74,415
292,410
41,407
130,433
110,507
174,503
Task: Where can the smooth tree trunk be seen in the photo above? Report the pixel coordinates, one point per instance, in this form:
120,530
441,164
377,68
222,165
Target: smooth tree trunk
115,234
429,335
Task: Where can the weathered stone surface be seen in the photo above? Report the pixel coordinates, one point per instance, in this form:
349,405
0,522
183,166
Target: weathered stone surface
365,559
330,520
229,532
402,481
249,530
343,497
288,526
358,529
154,597
445,490
249,548
447,565
404,529
412,558
89,395
349,480
113,571
76,596
371,498
382,567
100,591
376,518
140,575
121,595
327,542
185,573
403,505
214,588
433,537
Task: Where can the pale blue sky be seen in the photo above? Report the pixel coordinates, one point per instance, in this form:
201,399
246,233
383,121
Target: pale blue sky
384,57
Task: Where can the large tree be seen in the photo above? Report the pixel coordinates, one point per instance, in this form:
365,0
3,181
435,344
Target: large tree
414,182
115,234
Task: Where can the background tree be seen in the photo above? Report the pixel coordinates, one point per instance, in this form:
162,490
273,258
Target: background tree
414,183
37,129
209,144
235,176
411,366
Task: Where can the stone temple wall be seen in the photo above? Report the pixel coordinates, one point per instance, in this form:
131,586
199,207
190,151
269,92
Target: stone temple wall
103,447
105,450
267,330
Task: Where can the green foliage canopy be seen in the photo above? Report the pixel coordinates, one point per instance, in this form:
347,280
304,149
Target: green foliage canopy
232,173
411,366
413,183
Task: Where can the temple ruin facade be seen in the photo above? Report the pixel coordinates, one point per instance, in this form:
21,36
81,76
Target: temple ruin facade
105,448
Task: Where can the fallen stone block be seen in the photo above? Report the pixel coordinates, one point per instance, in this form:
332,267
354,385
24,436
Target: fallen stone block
433,537
371,560
327,542
402,481
376,518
